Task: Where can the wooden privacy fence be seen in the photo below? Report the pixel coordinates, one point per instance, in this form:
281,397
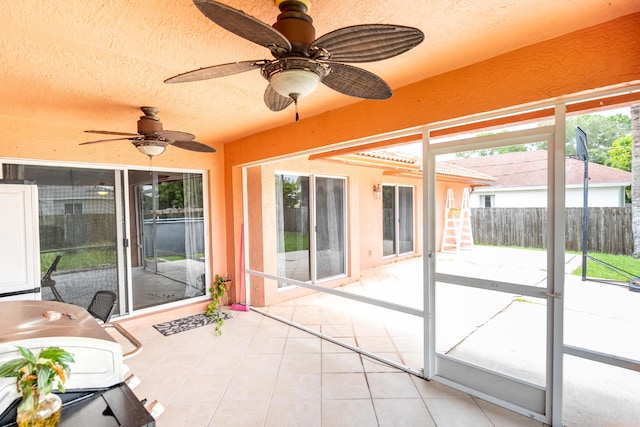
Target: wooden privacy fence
609,229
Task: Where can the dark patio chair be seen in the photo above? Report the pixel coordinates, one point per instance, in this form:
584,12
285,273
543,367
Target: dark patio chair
49,282
102,304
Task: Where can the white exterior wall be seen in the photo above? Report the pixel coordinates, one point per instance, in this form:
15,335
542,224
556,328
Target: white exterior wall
599,196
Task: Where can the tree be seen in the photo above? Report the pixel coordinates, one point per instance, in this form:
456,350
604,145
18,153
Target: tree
635,178
620,154
602,131
499,150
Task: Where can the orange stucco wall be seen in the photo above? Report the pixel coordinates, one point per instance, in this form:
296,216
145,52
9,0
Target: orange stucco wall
593,58
364,218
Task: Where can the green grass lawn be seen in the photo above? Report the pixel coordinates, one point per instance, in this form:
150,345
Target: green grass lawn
295,241
596,270
78,259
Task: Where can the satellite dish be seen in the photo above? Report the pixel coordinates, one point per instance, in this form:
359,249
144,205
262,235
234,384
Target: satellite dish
581,144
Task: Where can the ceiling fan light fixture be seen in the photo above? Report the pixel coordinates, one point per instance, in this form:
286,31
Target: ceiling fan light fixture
294,82
150,148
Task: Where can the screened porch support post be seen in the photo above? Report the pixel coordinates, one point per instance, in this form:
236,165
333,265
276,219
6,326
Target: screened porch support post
429,255
556,242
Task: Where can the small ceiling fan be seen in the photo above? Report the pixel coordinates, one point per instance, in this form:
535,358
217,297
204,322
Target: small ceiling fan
151,139
302,61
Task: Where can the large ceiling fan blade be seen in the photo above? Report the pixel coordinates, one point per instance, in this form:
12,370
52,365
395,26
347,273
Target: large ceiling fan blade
275,101
174,135
108,132
216,71
106,140
369,42
243,25
356,82
193,146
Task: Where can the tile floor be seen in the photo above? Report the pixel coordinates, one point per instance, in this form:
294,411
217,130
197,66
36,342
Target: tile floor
262,372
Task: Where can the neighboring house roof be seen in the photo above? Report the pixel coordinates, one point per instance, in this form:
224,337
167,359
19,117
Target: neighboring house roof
396,163
529,169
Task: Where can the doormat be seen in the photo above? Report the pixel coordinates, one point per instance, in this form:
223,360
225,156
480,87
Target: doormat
187,323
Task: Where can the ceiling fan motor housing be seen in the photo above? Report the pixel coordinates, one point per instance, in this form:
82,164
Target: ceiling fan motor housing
296,25
148,125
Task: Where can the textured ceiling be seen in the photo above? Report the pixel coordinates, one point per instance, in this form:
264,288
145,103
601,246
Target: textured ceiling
72,65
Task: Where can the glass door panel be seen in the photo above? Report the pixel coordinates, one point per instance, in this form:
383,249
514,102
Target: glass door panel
169,230
77,230
330,195
398,220
292,217
405,219
388,220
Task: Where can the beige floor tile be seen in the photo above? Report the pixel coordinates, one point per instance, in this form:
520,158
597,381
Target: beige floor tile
307,309
434,389
373,365
337,330
409,344
275,330
294,413
301,363
392,385
307,318
231,344
457,413
267,344
298,386
402,413
369,330
260,364
332,317
348,413
238,413
281,309
299,333
344,386
302,345
501,417
341,362
376,344
413,360
203,388
250,387
329,347
186,414
219,363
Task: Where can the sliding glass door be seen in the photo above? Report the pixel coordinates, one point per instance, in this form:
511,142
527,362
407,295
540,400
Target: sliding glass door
398,220
330,227
303,255
169,258
78,211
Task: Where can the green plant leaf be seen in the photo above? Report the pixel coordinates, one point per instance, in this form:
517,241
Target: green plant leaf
27,354
11,368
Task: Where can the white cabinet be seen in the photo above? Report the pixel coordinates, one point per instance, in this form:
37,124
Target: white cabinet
19,242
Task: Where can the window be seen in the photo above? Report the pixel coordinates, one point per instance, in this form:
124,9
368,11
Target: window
487,201
73,208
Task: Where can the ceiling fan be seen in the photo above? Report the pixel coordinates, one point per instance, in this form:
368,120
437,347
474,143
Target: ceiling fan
302,61
151,139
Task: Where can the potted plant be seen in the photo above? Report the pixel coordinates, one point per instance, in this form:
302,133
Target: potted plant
35,379
218,292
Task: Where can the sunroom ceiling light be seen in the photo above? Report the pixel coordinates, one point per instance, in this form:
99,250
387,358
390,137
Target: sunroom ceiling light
150,147
294,83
